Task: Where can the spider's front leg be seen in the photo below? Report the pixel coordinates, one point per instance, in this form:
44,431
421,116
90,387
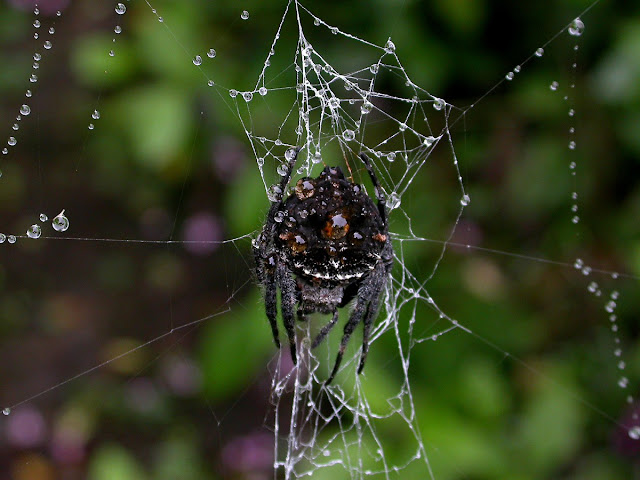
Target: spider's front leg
288,300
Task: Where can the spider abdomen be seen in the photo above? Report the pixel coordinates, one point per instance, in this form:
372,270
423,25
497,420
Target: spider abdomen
330,230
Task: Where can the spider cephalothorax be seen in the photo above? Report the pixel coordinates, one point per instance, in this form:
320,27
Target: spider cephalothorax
324,245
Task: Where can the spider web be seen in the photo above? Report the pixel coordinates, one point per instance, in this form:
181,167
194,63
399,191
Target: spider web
334,111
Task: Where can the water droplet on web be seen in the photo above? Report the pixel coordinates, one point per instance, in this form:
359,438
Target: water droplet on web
263,91
586,271
5,151
211,53
634,433
28,93
348,135
615,294
233,93
374,68
464,201
539,52
621,365
571,112
52,30
623,382
389,47
572,165
610,306
248,96
402,127
244,15
290,154
35,65
197,60
43,217
260,161
60,223
95,115
36,11
576,219
366,107
279,216
428,141
12,141
317,157
393,201
33,78
282,169
120,8
391,156
36,24
6,411
160,19
509,76
58,13
15,126
34,231
37,57
11,239
91,126
48,45
118,29
438,103
593,286
554,85
517,69
112,53
576,28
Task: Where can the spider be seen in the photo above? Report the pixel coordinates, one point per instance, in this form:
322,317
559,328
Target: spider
324,245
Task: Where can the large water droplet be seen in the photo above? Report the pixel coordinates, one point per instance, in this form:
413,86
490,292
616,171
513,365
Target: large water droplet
539,52
576,28
60,223
197,60
95,115
120,8
464,201
263,91
12,141
11,238
438,103
6,411
211,53
348,135
34,231
248,96
393,201
390,47
244,15
48,45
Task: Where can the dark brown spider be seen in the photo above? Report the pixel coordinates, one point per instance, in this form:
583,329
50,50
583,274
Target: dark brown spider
324,245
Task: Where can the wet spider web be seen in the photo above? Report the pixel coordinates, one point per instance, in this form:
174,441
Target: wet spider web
334,111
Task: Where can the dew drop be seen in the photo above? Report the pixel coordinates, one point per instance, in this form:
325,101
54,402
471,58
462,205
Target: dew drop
36,24
52,31
120,8
12,141
263,91
539,52
428,141
244,15
391,156
37,57
34,231
112,53
348,135
33,78
211,53
48,45
233,93
366,107
576,219
118,29
11,239
279,216
197,60
248,96
6,411
28,93
393,201
571,112
576,28
617,352
43,217
389,47
586,271
60,223
282,169
290,154
317,158
275,193
464,201
554,85
438,103
95,115
15,126
509,76
374,68
634,432
3,237
623,382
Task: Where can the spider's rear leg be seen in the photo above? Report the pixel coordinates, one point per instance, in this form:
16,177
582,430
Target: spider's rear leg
271,305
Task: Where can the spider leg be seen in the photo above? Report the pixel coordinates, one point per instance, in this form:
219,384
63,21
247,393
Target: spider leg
271,305
382,201
287,303
325,330
367,302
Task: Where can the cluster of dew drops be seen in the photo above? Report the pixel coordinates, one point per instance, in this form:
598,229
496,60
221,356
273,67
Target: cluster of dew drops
25,109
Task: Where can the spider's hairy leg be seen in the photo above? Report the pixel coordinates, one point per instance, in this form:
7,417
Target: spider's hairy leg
271,305
287,303
382,201
325,330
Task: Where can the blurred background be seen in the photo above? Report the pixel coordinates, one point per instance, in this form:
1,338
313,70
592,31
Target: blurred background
168,159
